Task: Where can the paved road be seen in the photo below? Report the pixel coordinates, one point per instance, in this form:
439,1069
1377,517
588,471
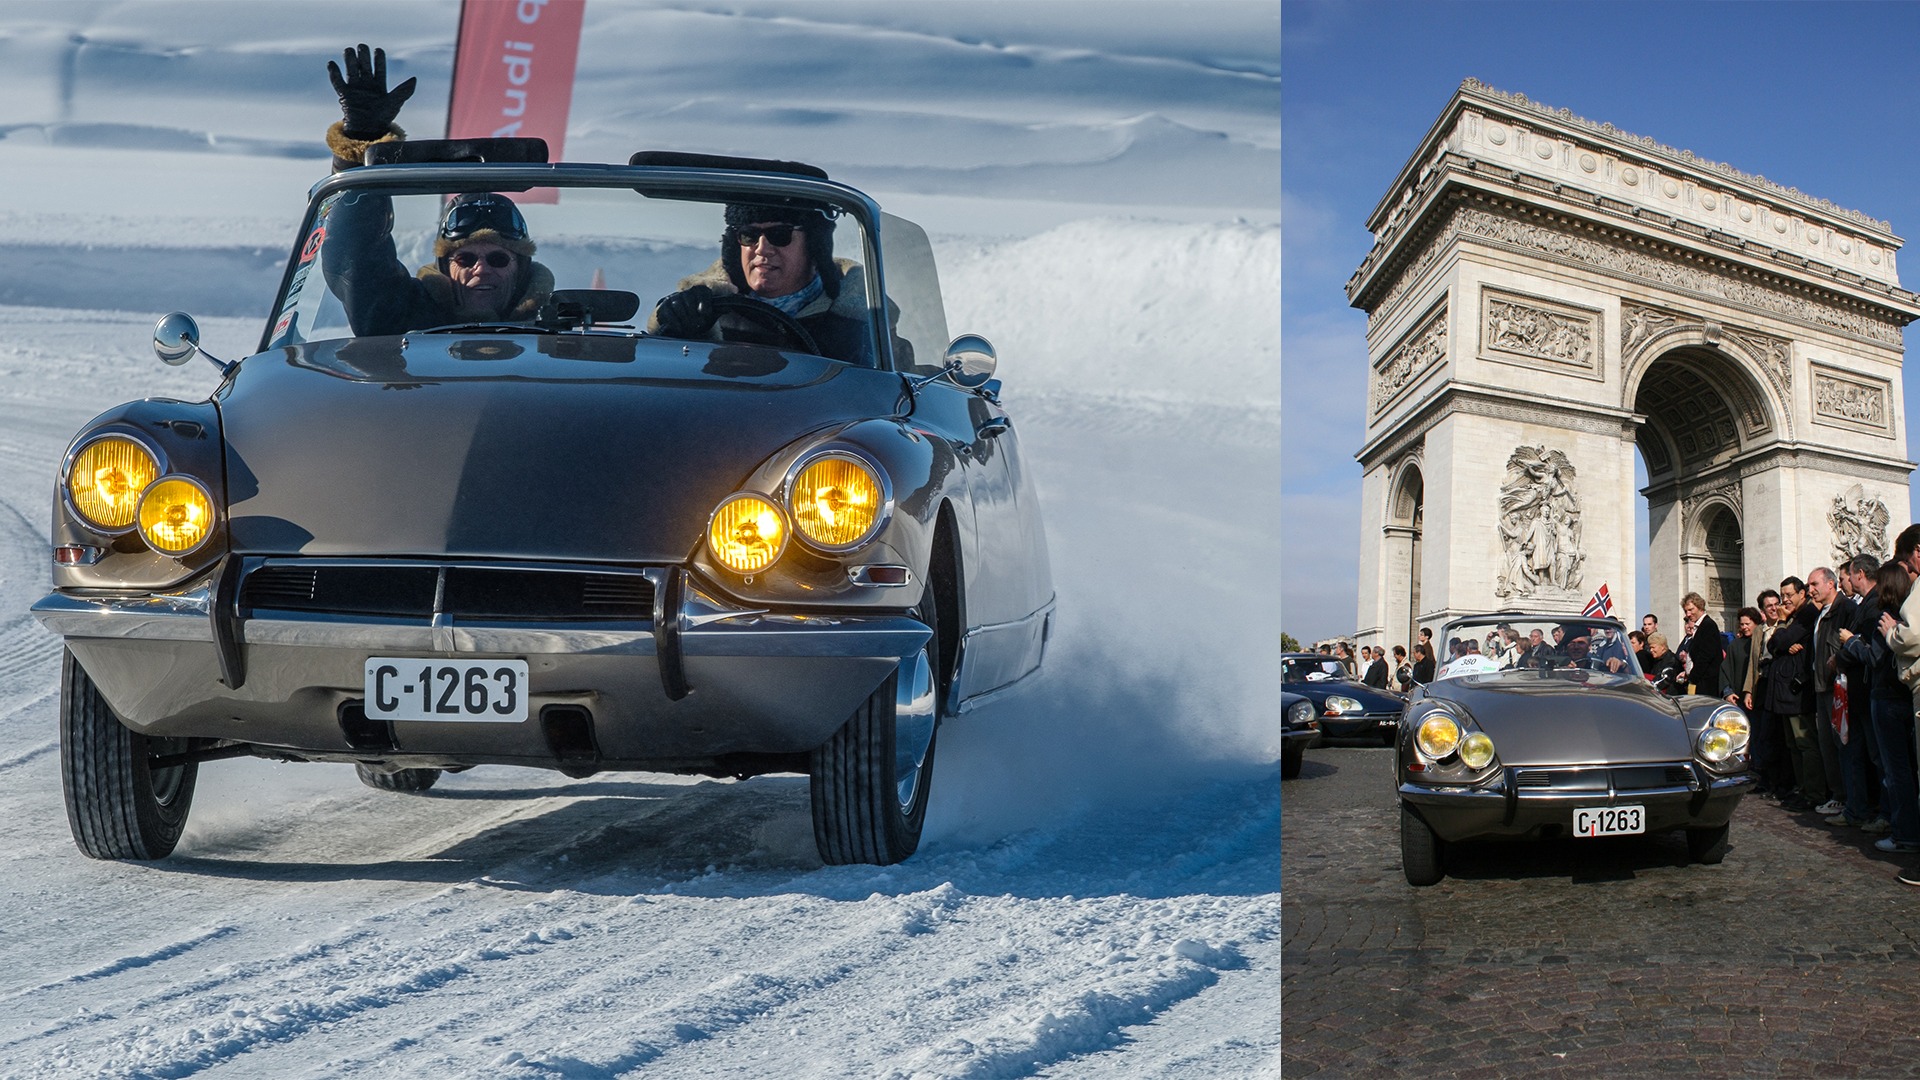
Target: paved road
1799,956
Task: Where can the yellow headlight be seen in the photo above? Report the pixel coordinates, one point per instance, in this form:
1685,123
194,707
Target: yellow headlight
747,533
176,516
1438,736
1716,744
1476,750
837,501
107,478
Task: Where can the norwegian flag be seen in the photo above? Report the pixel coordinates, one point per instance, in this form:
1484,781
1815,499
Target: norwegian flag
1601,605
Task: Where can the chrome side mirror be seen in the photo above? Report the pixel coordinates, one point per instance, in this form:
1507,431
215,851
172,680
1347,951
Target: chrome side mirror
176,338
970,361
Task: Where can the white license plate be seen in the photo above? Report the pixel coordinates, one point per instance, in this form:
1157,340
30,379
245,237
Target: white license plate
469,691
1609,821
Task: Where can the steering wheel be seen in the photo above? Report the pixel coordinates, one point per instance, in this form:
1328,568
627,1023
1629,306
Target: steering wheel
747,321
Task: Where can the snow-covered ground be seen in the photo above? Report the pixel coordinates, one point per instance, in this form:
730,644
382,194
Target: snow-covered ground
1098,893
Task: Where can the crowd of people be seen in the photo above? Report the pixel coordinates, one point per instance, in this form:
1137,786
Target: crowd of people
1827,669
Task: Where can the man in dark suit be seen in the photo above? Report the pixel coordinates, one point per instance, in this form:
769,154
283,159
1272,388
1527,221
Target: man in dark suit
1706,648
1376,675
1848,807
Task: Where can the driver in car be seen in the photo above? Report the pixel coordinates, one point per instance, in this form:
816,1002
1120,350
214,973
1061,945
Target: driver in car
1580,652
483,268
782,256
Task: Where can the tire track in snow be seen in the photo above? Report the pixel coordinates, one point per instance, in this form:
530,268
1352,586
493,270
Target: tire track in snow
128,963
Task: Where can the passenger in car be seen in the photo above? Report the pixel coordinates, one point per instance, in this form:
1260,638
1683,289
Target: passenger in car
782,255
483,270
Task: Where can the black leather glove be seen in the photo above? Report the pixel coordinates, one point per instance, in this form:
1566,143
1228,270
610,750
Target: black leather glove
367,107
686,314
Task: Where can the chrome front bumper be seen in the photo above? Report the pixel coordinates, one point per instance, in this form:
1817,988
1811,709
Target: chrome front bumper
705,677
1499,808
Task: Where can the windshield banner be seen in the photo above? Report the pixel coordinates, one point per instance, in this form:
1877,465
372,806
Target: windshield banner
513,74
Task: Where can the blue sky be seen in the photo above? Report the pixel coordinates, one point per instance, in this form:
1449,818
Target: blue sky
1818,96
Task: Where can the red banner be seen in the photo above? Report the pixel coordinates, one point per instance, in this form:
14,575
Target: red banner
513,73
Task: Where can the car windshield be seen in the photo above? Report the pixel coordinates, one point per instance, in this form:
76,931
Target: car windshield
1312,669
1492,644
387,260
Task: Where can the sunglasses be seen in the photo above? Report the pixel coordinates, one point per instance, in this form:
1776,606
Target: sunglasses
777,235
467,260
500,215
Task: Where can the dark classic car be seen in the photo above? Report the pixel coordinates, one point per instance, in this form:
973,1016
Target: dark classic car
1301,732
1347,707
1551,730
550,537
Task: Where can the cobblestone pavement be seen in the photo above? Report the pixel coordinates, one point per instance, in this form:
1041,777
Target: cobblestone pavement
1799,956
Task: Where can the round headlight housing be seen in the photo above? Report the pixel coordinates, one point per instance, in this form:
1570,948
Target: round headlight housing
1476,750
176,516
838,501
1438,736
1340,705
1716,745
1300,713
747,533
106,479
1734,722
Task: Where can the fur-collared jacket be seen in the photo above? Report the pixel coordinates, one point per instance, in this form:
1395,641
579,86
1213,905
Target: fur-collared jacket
838,323
380,296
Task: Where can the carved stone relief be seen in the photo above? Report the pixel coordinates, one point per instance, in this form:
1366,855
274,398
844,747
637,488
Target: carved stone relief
1539,525
1421,349
1859,524
1839,401
1774,354
1525,329
1639,324
1670,273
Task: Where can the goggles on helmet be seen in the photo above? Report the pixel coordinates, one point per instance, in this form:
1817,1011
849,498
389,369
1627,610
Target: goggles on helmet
495,212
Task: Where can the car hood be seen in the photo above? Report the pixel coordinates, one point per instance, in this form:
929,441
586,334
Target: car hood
605,448
1570,717
1372,700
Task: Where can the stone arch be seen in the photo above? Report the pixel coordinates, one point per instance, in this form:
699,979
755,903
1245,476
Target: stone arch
1703,398
1402,551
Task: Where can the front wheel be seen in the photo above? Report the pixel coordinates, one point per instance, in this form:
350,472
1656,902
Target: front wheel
870,781
1291,757
118,805
1422,854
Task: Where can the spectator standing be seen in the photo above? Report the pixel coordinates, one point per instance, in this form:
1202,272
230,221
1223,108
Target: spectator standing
1423,660
1836,611
1790,695
1402,670
1704,646
1376,676
1769,737
1663,668
1888,711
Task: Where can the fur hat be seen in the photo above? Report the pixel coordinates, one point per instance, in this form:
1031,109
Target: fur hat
817,226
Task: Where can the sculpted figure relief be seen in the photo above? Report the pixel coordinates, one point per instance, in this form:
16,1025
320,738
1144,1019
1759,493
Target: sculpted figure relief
1859,524
1539,524
1531,331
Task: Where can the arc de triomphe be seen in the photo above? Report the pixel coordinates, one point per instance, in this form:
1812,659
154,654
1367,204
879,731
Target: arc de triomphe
1544,294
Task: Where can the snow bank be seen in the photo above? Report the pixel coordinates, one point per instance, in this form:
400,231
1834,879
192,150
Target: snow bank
1164,311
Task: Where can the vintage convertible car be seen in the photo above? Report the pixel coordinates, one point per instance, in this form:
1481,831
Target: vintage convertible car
1347,707
1301,732
1552,731
554,539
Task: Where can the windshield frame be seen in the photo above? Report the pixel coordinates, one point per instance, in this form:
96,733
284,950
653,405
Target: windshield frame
1472,628
652,181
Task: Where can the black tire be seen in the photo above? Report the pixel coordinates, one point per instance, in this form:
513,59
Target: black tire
117,806
1390,736
1708,846
397,780
1423,856
860,814
1290,759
